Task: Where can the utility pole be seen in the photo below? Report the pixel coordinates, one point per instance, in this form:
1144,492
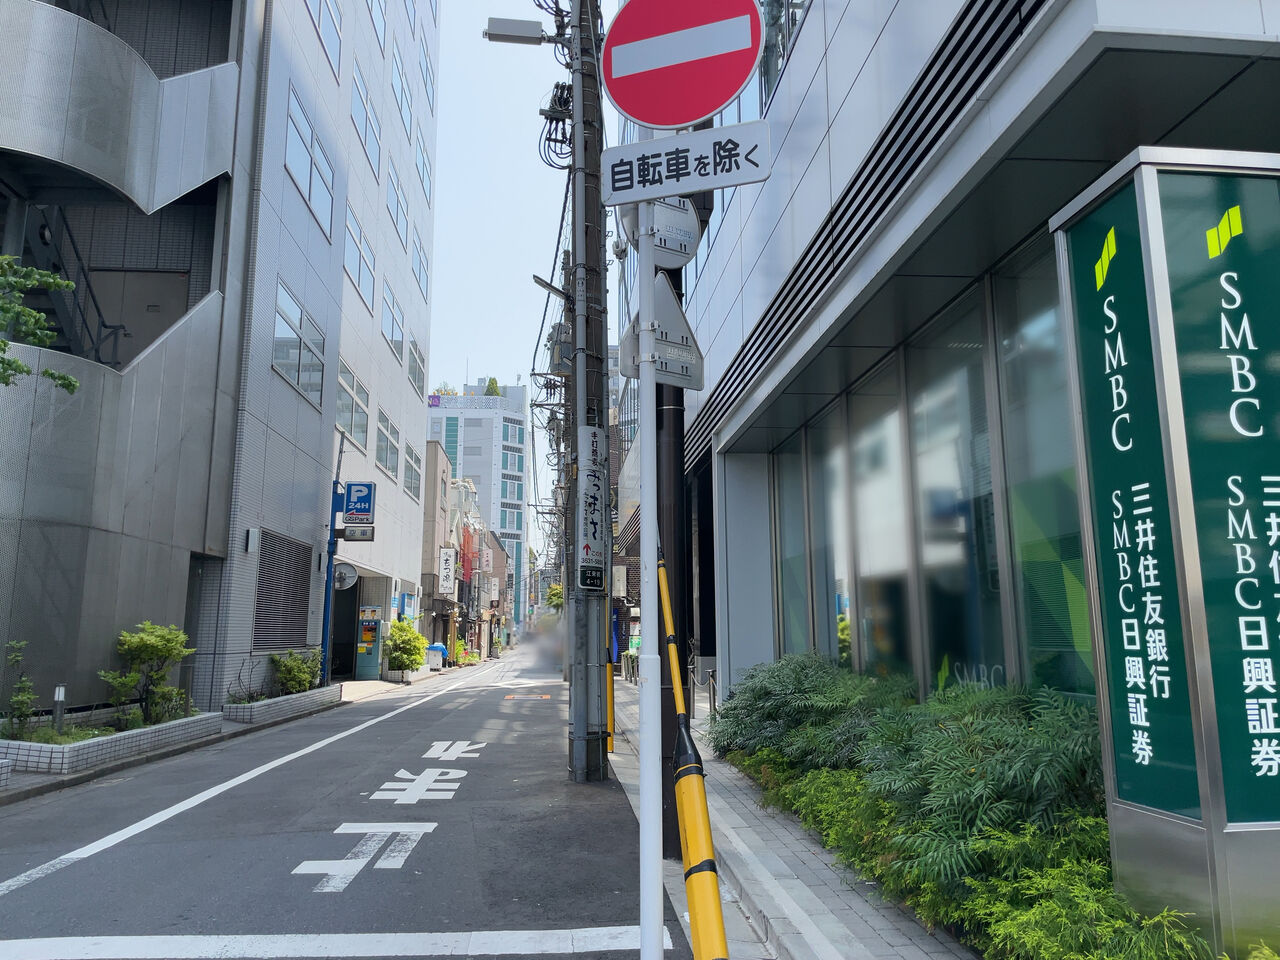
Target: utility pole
588,747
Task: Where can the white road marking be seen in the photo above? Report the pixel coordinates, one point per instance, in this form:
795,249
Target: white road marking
682,46
504,943
453,750
432,784
109,841
338,874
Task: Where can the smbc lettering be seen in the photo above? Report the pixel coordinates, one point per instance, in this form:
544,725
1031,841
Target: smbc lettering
1239,339
1113,346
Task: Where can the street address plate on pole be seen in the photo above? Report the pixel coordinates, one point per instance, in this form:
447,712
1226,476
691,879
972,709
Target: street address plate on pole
593,500
687,163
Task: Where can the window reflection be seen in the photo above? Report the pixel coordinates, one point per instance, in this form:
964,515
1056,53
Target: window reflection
1044,516
881,534
955,509
781,24
828,499
793,592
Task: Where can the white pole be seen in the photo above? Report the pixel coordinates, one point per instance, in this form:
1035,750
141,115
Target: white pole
651,891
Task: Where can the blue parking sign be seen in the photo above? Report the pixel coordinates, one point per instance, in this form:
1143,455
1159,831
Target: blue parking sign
357,507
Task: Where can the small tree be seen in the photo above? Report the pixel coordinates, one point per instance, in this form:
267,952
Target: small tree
445,389
296,672
22,698
492,390
20,324
124,687
555,597
406,647
152,651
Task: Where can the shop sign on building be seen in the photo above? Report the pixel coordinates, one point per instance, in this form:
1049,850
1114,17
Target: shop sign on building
1222,245
448,571
1142,630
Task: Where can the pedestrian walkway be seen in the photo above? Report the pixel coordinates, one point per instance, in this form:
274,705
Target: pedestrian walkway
804,904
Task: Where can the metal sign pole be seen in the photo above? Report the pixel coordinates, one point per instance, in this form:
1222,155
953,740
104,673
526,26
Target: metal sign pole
335,506
651,946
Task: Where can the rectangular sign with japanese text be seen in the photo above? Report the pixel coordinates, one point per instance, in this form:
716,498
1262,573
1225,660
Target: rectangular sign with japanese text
1142,630
447,571
593,502
1222,243
687,163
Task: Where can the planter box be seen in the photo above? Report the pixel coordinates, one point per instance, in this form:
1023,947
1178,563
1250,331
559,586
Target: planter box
5,767
406,676
74,757
278,708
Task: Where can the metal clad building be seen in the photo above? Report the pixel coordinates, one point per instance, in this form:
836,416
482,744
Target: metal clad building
194,168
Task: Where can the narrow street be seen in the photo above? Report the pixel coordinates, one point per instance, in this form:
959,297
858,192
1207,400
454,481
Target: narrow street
433,821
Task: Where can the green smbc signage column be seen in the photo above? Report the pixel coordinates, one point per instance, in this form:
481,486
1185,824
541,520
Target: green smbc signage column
1170,272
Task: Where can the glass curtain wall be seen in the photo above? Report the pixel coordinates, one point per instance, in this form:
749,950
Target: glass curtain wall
792,555
829,535
881,533
955,506
1044,517
887,544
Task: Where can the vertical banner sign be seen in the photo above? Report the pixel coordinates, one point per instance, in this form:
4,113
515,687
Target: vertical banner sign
1222,242
1142,632
593,502
448,563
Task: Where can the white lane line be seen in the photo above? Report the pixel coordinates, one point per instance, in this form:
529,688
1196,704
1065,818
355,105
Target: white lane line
682,46
503,943
109,841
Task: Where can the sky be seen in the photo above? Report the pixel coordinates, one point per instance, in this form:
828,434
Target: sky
498,205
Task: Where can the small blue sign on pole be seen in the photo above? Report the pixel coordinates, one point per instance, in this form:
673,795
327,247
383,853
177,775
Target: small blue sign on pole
357,504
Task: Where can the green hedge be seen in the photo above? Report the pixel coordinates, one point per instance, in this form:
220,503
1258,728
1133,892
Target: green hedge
981,809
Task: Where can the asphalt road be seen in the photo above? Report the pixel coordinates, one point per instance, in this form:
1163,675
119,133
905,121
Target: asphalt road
332,837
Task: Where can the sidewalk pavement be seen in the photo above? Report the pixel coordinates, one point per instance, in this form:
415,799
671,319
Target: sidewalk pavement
805,904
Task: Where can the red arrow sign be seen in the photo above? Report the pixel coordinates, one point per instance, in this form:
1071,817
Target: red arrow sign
672,63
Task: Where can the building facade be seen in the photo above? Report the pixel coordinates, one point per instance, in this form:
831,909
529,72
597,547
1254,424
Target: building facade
200,179
438,597
487,441
885,445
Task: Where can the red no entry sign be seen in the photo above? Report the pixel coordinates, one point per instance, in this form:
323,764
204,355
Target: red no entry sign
672,63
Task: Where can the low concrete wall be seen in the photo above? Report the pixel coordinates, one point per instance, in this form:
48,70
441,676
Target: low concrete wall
278,708
406,676
74,757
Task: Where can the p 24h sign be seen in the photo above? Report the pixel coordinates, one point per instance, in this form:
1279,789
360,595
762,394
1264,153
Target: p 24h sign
357,507
671,63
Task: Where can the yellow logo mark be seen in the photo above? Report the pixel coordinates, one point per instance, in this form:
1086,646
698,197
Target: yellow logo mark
1228,227
1104,262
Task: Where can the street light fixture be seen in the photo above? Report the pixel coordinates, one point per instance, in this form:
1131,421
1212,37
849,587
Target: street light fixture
527,32
552,289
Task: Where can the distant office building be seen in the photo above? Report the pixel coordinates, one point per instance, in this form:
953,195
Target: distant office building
486,439
242,195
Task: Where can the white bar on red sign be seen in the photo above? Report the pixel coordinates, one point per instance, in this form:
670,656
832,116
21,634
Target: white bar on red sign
682,46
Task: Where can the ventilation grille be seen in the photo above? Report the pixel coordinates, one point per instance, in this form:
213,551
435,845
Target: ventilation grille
975,45
284,590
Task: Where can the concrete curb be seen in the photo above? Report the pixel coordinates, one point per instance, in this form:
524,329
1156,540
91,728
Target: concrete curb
75,779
